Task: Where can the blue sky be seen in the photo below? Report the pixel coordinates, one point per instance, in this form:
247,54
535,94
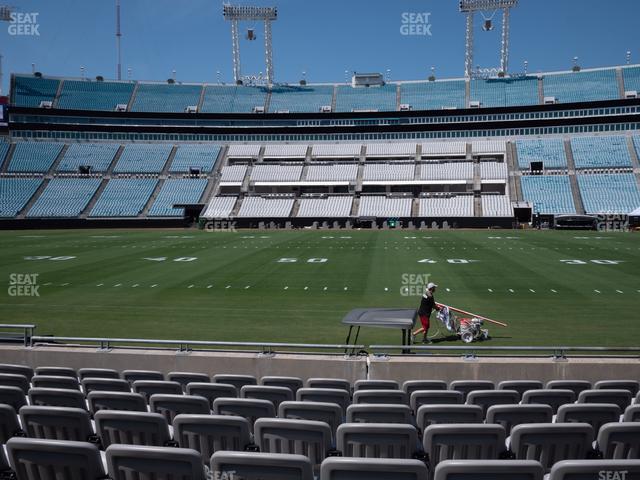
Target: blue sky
322,37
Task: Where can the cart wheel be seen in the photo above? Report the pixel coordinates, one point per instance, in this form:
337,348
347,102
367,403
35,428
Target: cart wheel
467,337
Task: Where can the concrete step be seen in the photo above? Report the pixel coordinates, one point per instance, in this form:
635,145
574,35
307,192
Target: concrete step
85,212
167,165
22,213
5,164
152,198
575,189
113,163
56,162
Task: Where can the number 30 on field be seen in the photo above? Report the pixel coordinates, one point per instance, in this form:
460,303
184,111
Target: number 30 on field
295,260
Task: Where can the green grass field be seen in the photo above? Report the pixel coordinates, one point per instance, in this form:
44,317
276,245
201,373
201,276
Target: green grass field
552,288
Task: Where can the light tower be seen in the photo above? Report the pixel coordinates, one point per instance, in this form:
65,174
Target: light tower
5,16
236,14
469,8
118,37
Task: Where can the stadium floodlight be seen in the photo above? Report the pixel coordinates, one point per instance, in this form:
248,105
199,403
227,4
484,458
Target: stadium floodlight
5,16
469,8
235,14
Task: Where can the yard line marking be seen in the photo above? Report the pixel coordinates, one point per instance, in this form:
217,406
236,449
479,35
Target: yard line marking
100,284
490,290
553,291
532,290
135,285
325,288
64,284
597,291
306,288
247,287
386,289
228,286
286,288
511,290
448,289
117,285
49,283
619,291
209,286
190,286
154,285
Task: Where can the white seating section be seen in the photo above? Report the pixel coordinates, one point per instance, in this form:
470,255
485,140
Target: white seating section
259,207
388,171
345,172
34,156
15,193
124,197
459,206
276,173
64,197
384,207
339,150
489,146
285,151
338,206
391,150
612,193
444,148
96,155
548,193
220,207
496,206
233,173
195,156
177,191
550,151
599,152
243,151
447,171
493,170
143,158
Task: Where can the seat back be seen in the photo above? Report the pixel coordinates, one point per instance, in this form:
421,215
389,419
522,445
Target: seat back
332,383
377,440
435,397
13,396
411,386
438,414
184,378
292,383
56,423
595,469
211,391
595,414
375,385
622,398
55,381
171,405
620,441
489,469
57,397
150,387
131,428
133,375
632,413
552,397
511,415
57,372
249,408
487,398
379,413
14,380
98,373
261,466
336,468
302,437
330,413
325,395
466,386
632,385
211,433
92,384
34,459
9,425
237,381
17,369
520,386
576,386
381,396
127,401
275,395
153,463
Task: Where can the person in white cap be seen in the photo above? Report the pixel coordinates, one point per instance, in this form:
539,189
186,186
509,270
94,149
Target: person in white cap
427,305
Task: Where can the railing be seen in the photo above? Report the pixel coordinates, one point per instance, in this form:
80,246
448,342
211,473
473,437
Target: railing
27,330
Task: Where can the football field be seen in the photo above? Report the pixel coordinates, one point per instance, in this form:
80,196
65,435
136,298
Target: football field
552,288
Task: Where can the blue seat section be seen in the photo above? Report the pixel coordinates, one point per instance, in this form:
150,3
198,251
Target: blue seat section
303,99
631,77
550,151
201,156
30,91
233,99
91,95
64,197
96,155
548,193
34,156
433,95
502,92
158,97
15,193
636,143
366,98
4,148
599,152
582,86
143,158
124,197
177,191
609,193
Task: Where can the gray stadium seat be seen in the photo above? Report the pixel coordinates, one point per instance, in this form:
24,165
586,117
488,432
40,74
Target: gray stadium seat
622,398
335,468
17,369
211,391
14,380
237,381
292,383
379,413
249,408
183,378
439,414
52,381
552,397
411,386
151,387
632,385
131,428
171,405
276,395
212,433
520,386
595,414
9,425
97,373
465,441
133,375
466,386
92,384
489,470
377,440
57,397
333,383
632,413
330,413
511,415
301,437
57,423
620,441
34,459
487,398
261,466
326,395
596,470
157,463
574,385
13,396
57,372
126,401
375,385
435,397
549,443
380,396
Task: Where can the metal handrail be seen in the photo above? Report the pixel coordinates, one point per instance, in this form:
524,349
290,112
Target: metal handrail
27,329
558,351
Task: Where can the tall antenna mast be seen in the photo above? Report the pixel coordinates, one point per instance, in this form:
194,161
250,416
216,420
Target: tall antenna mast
118,35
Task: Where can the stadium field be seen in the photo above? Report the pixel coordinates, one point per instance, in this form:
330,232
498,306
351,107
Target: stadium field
553,288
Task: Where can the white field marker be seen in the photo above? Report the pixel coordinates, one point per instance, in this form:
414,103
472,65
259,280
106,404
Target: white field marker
154,285
346,288
532,290
286,288
135,285
100,284
306,288
228,286
553,291
511,290
209,286
386,289
619,291
325,289
247,287
190,286
597,291
117,285
491,291
448,289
